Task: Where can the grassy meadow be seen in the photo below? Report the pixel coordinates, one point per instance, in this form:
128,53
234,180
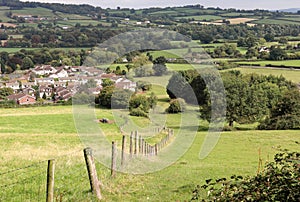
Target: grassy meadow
32,135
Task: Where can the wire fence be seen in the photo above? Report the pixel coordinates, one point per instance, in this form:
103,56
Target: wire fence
24,184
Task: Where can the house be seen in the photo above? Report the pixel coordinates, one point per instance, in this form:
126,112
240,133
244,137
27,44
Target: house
44,70
264,49
124,83
14,85
95,91
62,93
41,81
29,91
44,89
22,99
60,73
27,85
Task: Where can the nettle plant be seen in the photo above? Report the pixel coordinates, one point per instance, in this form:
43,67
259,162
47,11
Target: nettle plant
279,181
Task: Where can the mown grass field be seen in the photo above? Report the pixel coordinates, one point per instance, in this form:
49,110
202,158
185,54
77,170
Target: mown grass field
295,63
29,135
292,75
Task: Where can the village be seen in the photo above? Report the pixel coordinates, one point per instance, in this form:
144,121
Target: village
47,84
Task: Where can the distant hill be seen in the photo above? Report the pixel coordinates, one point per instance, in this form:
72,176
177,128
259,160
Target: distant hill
291,10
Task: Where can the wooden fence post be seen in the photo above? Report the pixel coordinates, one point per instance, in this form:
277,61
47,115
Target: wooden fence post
142,146
50,181
91,168
135,142
113,158
130,145
123,150
156,149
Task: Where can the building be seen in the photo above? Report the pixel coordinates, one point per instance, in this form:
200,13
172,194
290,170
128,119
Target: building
22,99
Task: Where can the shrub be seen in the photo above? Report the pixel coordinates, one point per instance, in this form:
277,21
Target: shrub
138,112
176,106
279,181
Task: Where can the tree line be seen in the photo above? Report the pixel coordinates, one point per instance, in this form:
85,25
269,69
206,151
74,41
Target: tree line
270,100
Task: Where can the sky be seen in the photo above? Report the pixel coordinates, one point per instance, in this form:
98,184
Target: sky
240,4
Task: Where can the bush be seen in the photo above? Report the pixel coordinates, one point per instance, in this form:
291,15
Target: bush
279,181
176,106
138,112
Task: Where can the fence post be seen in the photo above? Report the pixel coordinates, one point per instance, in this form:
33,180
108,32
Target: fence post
50,180
91,168
123,150
135,142
140,145
156,149
130,145
113,158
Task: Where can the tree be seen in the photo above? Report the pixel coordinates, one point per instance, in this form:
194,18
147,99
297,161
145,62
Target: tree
4,92
283,40
104,98
120,98
139,101
159,66
277,54
246,102
27,63
152,100
2,66
176,106
107,82
179,85
285,114
143,71
269,37
205,37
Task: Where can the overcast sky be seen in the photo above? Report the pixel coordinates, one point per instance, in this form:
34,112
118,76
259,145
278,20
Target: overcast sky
243,4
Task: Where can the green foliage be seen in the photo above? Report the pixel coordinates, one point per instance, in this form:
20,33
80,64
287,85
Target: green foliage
279,181
144,71
139,111
139,101
144,85
159,66
152,100
176,106
104,98
277,54
4,92
285,114
107,82
179,85
120,98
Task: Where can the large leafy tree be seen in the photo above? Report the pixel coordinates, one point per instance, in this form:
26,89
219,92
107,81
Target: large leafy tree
159,66
285,114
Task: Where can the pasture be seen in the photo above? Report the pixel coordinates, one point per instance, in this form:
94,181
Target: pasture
293,63
292,75
32,135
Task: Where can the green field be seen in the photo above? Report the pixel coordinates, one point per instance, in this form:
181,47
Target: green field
202,17
293,75
3,16
13,50
294,63
41,12
274,21
30,135
236,14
